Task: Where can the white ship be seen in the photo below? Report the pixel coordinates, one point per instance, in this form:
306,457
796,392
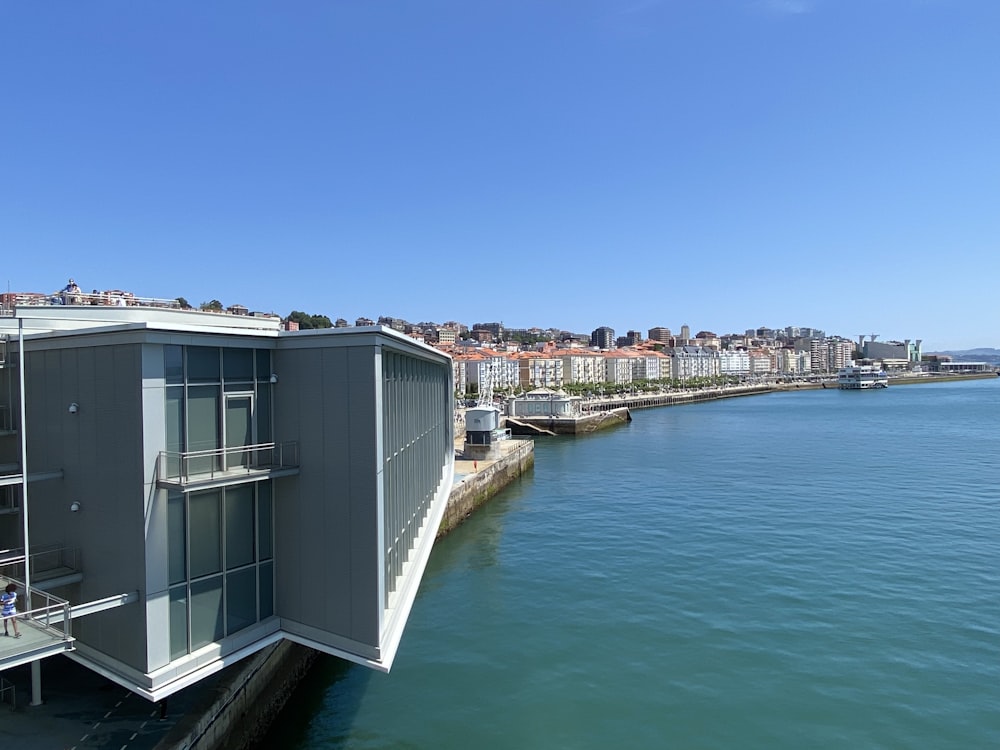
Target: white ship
860,377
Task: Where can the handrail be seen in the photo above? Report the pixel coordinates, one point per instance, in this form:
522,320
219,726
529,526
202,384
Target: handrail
214,462
45,615
42,558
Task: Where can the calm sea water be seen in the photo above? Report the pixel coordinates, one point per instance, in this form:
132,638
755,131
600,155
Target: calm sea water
802,570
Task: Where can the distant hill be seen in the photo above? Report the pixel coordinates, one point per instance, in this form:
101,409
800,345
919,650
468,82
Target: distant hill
984,354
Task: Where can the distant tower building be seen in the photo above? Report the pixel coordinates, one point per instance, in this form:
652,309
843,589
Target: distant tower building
818,359
603,338
495,329
660,334
632,338
685,333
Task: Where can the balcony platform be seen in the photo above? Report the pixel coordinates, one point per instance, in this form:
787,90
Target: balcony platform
221,467
224,478
36,642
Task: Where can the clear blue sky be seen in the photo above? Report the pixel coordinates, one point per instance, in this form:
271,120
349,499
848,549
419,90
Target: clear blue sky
724,164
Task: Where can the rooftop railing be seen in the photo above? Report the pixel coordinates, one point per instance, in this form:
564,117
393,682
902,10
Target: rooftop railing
226,463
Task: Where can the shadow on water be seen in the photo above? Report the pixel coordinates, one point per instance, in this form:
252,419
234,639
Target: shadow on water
332,684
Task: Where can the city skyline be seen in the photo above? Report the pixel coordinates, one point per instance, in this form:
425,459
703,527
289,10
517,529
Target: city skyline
584,164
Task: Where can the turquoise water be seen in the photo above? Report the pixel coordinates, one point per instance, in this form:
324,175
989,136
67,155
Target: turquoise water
802,570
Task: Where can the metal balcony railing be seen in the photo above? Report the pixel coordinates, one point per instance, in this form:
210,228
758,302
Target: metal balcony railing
226,463
42,610
45,562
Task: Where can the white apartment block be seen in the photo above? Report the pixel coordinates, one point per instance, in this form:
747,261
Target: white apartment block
458,376
760,363
650,366
734,362
583,367
693,362
617,368
490,369
792,362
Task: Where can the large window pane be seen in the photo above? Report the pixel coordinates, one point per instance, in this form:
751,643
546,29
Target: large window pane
203,364
237,364
263,364
239,526
266,590
263,413
173,364
175,429
264,521
241,599
203,427
206,533
176,538
239,430
206,612
178,622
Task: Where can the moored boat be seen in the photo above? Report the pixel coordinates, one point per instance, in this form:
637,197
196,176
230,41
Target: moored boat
861,377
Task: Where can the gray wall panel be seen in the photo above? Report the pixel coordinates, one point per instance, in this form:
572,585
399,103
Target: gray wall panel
363,476
99,451
327,553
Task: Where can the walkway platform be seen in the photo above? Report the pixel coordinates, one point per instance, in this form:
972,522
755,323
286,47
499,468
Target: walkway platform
83,711
36,642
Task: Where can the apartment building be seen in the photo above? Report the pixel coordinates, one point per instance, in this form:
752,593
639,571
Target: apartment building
192,487
488,369
583,367
618,367
538,370
693,362
734,362
650,365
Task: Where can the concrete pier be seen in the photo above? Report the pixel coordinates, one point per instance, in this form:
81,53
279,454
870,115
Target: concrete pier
579,425
476,481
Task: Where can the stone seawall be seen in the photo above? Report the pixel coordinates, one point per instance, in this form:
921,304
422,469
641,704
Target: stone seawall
487,479
237,713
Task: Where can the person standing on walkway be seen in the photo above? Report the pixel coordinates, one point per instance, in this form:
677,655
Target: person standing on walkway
8,608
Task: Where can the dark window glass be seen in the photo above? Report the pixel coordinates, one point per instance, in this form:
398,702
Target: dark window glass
263,413
206,533
176,538
203,364
237,364
264,521
241,599
239,526
266,590
263,364
173,364
174,417
206,612
178,622
203,427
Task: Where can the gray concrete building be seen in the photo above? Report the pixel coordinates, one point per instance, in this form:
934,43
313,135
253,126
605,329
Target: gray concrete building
183,488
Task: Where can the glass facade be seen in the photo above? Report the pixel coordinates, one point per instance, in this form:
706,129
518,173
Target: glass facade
416,428
216,398
220,540
220,549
